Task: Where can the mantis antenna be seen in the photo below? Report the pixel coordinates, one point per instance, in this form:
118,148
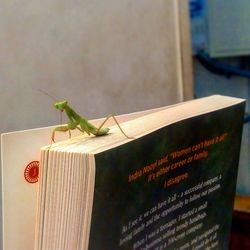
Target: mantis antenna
51,97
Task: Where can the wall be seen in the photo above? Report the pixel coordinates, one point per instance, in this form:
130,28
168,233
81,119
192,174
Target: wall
102,56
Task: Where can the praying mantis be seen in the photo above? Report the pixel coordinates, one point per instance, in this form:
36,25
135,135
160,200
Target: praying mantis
79,122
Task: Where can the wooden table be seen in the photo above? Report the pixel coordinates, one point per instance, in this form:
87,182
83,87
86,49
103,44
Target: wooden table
240,233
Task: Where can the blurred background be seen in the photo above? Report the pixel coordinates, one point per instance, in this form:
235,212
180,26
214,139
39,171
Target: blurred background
220,34
123,56
221,47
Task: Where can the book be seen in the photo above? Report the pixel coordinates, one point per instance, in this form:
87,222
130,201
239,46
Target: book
170,187
20,156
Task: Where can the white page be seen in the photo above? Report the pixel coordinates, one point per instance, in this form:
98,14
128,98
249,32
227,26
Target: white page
19,196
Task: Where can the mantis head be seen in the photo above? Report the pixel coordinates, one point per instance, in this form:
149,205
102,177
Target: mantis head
61,105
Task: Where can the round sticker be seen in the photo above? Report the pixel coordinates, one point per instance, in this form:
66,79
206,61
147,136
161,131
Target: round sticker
31,172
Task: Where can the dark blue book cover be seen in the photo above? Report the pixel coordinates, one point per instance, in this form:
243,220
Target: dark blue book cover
173,188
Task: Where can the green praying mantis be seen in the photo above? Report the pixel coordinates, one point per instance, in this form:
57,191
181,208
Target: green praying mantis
79,122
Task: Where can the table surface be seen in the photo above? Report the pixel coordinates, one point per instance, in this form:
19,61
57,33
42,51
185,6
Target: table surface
242,203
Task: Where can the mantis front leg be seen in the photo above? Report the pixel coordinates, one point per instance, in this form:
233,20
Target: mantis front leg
63,128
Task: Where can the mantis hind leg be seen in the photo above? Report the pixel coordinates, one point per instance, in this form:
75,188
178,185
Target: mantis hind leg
117,123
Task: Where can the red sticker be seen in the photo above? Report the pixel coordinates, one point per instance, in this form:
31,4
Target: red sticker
31,172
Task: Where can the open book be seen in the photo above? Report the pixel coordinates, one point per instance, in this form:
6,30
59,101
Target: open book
173,185
170,187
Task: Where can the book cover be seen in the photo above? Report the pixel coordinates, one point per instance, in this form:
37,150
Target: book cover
20,168
172,187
